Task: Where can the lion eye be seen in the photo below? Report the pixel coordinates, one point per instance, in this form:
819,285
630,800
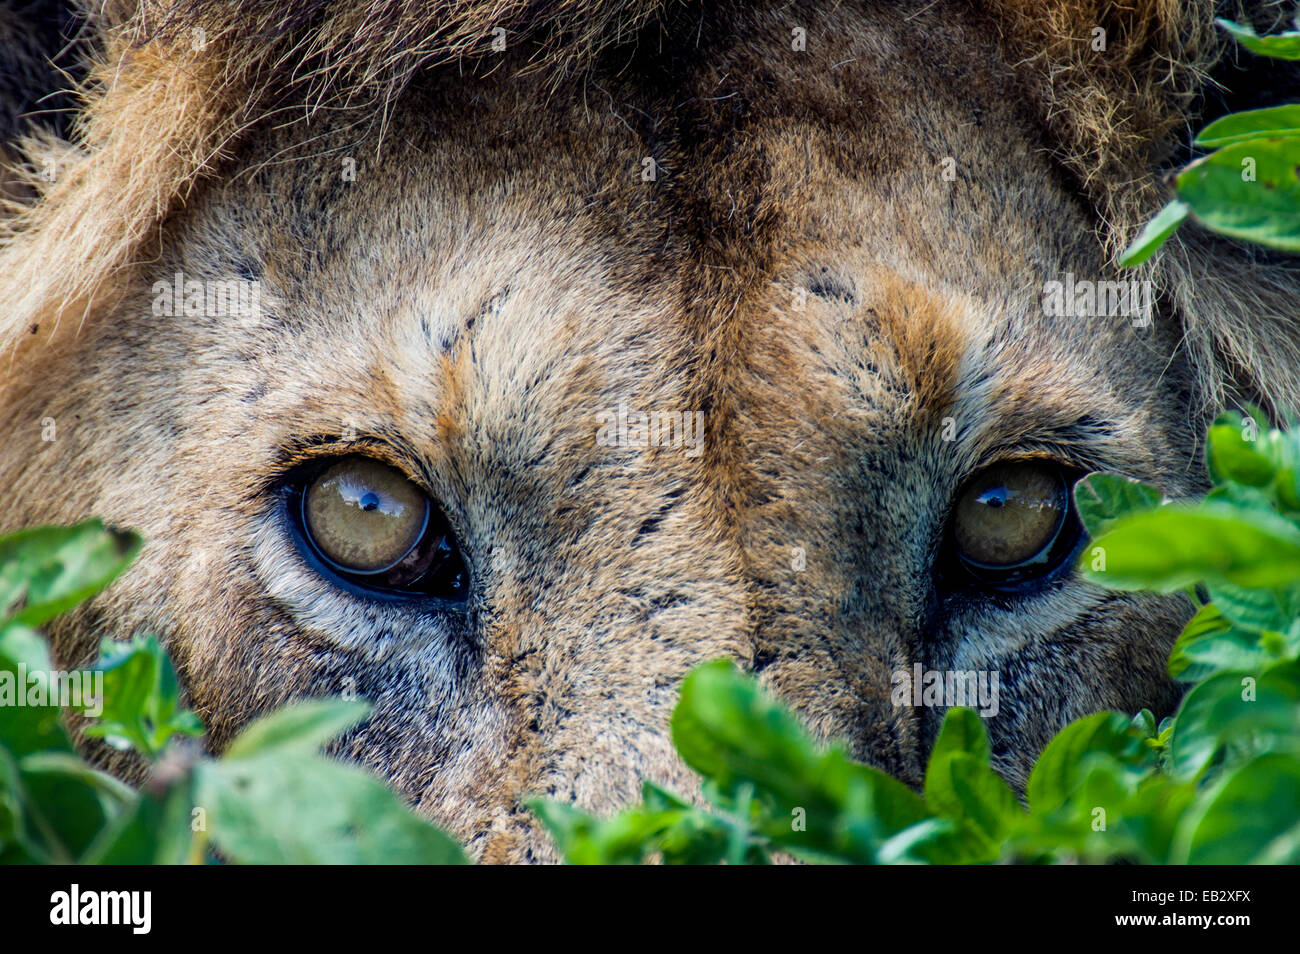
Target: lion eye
1013,521
374,528
364,516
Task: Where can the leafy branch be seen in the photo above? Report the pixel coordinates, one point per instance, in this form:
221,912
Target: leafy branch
1248,188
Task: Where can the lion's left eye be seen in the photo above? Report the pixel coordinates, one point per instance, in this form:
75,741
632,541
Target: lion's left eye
372,527
1014,521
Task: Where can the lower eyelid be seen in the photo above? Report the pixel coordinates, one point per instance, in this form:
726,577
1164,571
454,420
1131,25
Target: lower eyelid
363,627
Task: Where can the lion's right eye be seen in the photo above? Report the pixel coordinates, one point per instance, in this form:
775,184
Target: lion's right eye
374,528
1014,522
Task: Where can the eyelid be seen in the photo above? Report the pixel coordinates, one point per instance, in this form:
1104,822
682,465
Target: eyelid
307,454
1024,427
1022,454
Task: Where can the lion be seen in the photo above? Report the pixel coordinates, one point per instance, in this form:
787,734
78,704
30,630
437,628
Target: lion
500,362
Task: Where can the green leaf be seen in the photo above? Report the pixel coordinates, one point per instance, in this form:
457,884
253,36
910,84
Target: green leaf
64,811
1059,769
1177,545
1225,709
960,784
299,729
962,732
153,830
1150,818
936,841
1251,609
1210,644
129,677
1286,487
47,570
1264,209
735,734
685,836
1155,233
290,808
25,729
963,788
141,705
1232,457
71,766
16,845
1078,822
1285,46
728,730
22,644
1251,816
1102,499
1251,124
692,837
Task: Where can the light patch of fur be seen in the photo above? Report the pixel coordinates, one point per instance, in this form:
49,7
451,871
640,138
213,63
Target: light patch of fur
161,120
929,343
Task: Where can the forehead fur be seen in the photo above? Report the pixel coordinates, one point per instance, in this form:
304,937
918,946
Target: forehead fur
175,85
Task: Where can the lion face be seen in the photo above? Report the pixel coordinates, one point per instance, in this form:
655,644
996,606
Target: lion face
548,396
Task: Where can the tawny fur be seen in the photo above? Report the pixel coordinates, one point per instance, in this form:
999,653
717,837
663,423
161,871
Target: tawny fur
859,333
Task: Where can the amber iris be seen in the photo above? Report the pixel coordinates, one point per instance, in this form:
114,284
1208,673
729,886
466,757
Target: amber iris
1010,514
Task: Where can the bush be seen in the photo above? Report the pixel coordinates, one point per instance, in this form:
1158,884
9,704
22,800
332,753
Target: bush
259,803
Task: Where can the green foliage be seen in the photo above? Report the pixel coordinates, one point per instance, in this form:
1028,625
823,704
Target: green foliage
269,783
141,704
770,787
48,570
260,803
1219,783
1283,46
1154,234
1249,188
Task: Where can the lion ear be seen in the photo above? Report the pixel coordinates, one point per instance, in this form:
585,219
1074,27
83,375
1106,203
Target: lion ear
1120,89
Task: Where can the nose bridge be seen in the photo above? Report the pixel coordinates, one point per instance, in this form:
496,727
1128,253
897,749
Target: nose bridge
881,625
879,638
834,643
836,549
587,653
845,488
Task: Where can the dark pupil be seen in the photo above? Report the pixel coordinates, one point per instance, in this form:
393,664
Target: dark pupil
369,501
994,496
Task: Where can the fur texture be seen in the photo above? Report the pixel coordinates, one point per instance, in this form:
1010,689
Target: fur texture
860,333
